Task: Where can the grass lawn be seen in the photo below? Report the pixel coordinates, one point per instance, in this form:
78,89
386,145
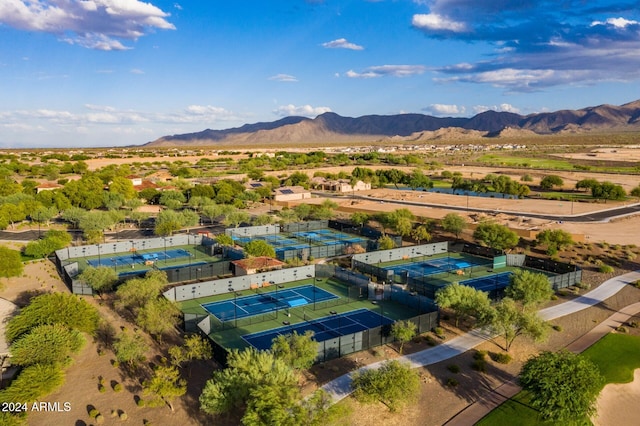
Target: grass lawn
615,354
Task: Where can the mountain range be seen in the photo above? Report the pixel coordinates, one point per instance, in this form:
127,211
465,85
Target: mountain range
331,127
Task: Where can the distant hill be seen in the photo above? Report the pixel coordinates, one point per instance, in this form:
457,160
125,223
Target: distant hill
331,127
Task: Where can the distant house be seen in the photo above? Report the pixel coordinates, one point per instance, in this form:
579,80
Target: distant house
254,184
339,185
253,265
135,180
291,193
47,186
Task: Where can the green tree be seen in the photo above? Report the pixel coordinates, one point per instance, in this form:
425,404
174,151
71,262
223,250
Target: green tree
193,348
635,192
250,375
74,215
360,218
421,233
394,384
167,222
54,308
608,191
236,218
137,292
10,263
507,320
529,288
564,387
554,239
586,184
464,301
130,348
551,181
100,279
417,179
123,186
158,316
164,386
403,332
297,350
46,344
385,243
224,240
496,236
454,223
259,248
33,383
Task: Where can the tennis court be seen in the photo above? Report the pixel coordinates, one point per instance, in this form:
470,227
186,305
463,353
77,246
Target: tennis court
136,258
267,301
434,266
324,328
489,283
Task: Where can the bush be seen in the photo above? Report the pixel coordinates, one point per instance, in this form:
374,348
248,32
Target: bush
99,419
455,369
633,324
117,387
480,355
123,416
605,269
480,365
439,331
94,413
452,382
141,402
621,329
102,389
500,358
557,327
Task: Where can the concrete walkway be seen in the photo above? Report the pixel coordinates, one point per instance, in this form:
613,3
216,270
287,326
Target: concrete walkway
340,387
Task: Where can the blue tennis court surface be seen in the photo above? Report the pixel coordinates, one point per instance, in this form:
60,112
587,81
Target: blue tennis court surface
433,266
268,300
135,258
324,328
489,283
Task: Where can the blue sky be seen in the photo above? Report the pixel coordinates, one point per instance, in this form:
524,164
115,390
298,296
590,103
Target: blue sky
119,72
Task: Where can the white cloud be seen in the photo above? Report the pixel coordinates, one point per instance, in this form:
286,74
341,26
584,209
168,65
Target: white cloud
283,77
616,22
341,43
444,109
388,70
303,110
498,108
435,22
94,24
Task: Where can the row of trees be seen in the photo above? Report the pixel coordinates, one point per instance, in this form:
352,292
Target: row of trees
513,316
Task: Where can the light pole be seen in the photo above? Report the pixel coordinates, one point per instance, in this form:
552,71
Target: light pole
235,307
276,298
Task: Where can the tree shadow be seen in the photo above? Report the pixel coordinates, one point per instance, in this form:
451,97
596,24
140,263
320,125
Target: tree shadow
469,385
24,298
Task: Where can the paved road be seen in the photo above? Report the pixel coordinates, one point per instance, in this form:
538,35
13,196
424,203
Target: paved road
599,216
340,387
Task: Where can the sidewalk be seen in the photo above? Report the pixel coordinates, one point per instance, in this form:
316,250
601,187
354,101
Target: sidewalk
340,387
476,411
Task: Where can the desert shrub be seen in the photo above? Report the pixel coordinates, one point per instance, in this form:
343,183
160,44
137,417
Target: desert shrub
480,355
479,365
554,297
605,269
557,327
583,286
123,416
621,329
430,341
500,358
452,382
93,413
99,419
102,389
455,369
439,331
141,402
117,387
636,284
34,382
633,324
